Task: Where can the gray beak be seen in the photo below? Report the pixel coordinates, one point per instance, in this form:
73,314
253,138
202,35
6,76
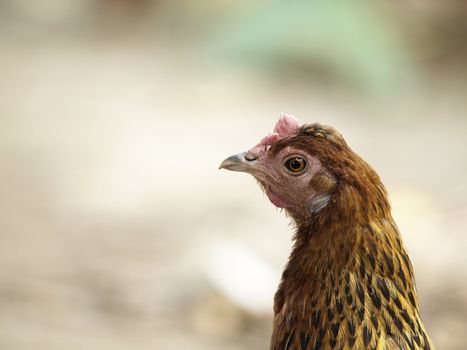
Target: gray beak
243,162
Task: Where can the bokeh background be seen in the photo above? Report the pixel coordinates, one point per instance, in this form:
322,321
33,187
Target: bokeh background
117,230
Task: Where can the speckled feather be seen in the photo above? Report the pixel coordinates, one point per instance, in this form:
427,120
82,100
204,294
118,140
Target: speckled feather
349,283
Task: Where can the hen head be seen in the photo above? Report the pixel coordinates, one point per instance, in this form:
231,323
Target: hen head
305,169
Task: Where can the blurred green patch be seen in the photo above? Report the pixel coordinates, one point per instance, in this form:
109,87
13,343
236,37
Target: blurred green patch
356,44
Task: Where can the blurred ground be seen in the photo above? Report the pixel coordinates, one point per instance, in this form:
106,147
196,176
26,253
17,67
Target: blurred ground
116,228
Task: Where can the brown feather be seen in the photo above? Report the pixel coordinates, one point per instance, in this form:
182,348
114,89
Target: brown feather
391,344
349,283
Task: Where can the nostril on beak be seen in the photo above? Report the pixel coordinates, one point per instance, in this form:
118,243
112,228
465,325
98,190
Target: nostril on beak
250,156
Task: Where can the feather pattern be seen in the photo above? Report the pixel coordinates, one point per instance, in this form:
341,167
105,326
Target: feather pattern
349,283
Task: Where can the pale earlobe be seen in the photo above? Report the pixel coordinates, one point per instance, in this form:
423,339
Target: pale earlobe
318,202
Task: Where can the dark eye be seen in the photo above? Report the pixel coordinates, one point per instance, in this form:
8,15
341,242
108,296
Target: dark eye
295,164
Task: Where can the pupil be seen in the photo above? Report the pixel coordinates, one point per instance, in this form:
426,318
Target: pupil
295,164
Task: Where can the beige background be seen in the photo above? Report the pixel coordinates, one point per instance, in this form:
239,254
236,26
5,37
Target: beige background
117,230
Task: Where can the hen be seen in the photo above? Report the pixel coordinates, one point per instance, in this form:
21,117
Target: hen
349,283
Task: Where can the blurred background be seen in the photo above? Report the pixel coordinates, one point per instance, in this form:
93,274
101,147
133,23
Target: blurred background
117,230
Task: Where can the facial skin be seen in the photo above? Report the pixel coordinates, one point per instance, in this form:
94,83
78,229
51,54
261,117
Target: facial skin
291,178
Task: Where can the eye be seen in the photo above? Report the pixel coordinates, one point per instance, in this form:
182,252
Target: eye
295,165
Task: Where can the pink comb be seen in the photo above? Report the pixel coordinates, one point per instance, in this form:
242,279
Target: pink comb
286,126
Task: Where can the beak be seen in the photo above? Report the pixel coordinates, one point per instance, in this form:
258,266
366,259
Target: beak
243,162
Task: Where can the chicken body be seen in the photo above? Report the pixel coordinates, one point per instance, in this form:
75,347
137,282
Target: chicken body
349,283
